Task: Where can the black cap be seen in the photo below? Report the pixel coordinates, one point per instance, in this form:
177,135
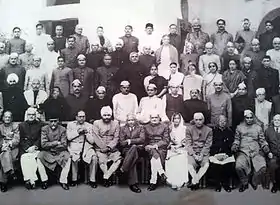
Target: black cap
149,25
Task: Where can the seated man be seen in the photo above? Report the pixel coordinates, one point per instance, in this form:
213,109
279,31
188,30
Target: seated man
80,147
9,140
272,135
29,145
222,160
54,149
157,135
249,145
107,131
198,140
132,138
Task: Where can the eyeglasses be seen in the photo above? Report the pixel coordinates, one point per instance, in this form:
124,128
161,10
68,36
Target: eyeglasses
248,118
53,120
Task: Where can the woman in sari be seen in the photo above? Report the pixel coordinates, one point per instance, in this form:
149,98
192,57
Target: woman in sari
176,77
176,164
164,56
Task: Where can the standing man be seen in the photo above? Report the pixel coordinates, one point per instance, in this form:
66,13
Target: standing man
26,59
149,39
124,103
130,42
82,42
221,37
132,139
70,53
95,57
54,149
275,54
9,141
103,42
86,76
4,57
107,131
59,39
40,40
197,37
198,141
16,44
29,146
119,56
80,146
175,38
247,34
229,55
267,37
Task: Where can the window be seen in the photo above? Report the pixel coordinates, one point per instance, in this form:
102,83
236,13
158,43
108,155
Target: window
61,2
68,25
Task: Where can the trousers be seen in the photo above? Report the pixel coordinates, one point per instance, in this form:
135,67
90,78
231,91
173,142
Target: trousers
92,169
156,168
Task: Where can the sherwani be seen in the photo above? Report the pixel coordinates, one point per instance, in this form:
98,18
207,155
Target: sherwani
75,104
275,58
80,146
220,40
251,143
108,135
198,39
8,134
220,104
70,55
132,151
157,134
82,43
53,154
198,141
62,78
130,43
247,35
16,45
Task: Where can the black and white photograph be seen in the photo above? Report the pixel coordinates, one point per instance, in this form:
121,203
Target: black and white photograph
139,102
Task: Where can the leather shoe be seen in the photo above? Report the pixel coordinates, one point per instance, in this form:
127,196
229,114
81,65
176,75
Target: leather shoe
152,187
163,177
218,189
93,185
29,186
73,183
106,183
227,188
64,186
274,189
44,185
135,188
194,187
243,188
4,188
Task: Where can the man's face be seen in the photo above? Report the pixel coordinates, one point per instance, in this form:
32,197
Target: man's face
222,121
94,47
147,50
31,116
174,90
100,32
194,94
28,48
60,62
198,121
266,62
100,94
54,123
13,60
128,30
37,62
71,42
165,40
173,68
35,85
269,26
55,93
106,117
2,48
276,121
154,119
125,89
242,91
173,29
153,71
39,30
134,58
247,64
221,25
276,44
218,87
81,62
79,30
50,46
209,49
107,60
256,46
76,88
196,27
149,30
151,91
246,25
131,121
16,33
59,30
249,119
7,118
81,118
261,97
118,46
230,48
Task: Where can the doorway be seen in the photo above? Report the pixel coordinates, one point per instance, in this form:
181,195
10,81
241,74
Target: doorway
273,16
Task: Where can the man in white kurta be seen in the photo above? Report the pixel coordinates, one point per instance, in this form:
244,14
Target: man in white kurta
40,41
124,103
149,38
275,54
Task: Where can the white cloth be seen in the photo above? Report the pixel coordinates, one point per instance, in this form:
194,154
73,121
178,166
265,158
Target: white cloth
191,82
209,79
149,40
148,104
36,73
124,105
163,67
214,160
40,44
263,110
275,59
156,168
204,61
177,79
64,172
29,165
49,63
147,81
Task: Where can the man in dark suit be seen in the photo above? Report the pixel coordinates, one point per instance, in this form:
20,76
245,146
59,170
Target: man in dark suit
132,138
275,109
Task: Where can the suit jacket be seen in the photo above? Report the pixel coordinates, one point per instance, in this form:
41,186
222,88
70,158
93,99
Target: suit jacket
41,97
137,135
273,140
275,109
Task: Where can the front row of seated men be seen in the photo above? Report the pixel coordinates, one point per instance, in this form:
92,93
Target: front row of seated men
40,146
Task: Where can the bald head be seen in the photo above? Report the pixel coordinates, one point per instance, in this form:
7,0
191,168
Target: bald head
276,43
79,29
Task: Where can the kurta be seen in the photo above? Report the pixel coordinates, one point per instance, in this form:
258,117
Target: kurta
36,73
95,59
192,82
151,103
262,111
49,63
198,39
26,60
220,40
124,105
247,35
16,45
172,104
76,104
157,134
151,40
7,70
62,78
53,154
120,58
232,80
220,104
193,106
204,61
70,55
130,44
40,44
82,43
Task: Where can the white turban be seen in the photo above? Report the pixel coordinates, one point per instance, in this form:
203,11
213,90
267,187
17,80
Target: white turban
101,89
14,55
31,110
209,45
76,81
242,85
125,83
247,112
260,91
119,41
81,56
106,110
198,115
152,86
12,77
